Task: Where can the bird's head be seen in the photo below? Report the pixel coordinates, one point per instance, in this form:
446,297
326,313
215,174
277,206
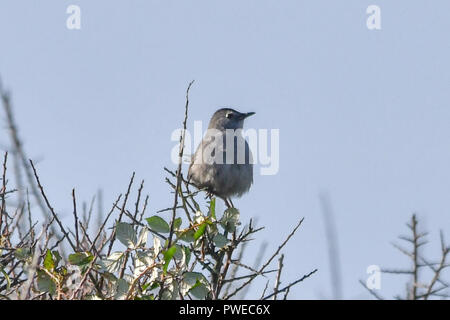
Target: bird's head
227,118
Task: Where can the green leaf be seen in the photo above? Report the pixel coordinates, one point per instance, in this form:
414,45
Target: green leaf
177,223
22,253
200,231
199,290
168,255
45,283
186,236
187,253
62,271
8,280
57,256
191,278
143,259
49,263
212,208
178,252
158,224
220,240
122,287
143,237
126,234
113,262
230,219
154,286
80,258
170,290
145,297
156,246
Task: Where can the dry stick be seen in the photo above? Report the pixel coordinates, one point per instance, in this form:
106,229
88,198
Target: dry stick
135,281
415,258
224,272
102,227
372,292
395,271
292,284
268,261
3,191
136,211
189,193
333,245
18,177
138,200
235,243
286,294
438,271
402,250
235,268
256,263
100,213
88,239
76,218
180,161
168,209
264,291
138,223
121,214
18,218
33,265
277,281
19,150
240,264
435,292
144,208
55,216
127,254
430,265
83,280
230,280
87,219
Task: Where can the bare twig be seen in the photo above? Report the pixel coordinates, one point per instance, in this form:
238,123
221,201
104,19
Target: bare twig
76,219
180,161
3,191
267,262
55,216
372,292
291,284
19,151
277,280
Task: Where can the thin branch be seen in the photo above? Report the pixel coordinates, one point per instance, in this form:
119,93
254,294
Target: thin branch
180,161
55,216
268,261
372,292
76,219
277,280
291,284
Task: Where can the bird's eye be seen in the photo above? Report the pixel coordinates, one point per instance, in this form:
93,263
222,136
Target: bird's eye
229,115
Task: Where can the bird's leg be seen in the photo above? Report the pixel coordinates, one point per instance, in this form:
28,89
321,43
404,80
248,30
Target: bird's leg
228,202
209,195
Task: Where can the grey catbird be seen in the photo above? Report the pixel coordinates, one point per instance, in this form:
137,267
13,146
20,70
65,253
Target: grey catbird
223,163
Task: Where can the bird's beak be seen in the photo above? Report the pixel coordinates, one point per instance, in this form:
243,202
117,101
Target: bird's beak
248,114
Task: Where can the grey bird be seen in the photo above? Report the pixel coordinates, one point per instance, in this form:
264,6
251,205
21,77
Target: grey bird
224,172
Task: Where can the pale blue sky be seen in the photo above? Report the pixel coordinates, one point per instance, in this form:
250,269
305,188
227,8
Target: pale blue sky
362,114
